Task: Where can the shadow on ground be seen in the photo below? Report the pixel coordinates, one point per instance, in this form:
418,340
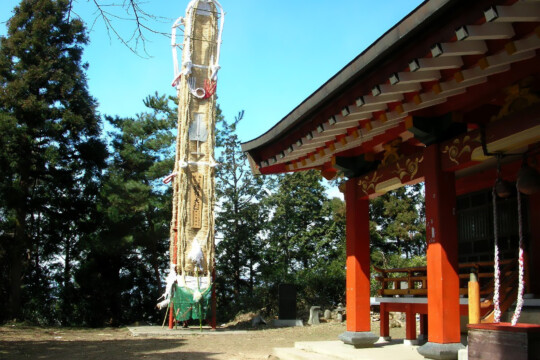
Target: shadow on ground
160,349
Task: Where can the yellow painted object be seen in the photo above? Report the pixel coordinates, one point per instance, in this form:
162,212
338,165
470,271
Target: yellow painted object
474,300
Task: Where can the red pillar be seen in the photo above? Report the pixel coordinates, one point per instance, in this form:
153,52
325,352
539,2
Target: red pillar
442,251
384,322
358,261
410,324
171,316
358,284
442,260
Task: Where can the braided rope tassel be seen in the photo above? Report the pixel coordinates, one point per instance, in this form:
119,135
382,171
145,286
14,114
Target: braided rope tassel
521,286
496,269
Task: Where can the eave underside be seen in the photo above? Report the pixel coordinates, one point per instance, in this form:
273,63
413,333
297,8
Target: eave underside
431,71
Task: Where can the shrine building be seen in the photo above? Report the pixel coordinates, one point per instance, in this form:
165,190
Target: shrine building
449,96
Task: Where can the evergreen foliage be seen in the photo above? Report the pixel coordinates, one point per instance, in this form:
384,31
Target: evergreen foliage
274,230
398,223
397,230
241,217
120,278
305,241
50,155
84,225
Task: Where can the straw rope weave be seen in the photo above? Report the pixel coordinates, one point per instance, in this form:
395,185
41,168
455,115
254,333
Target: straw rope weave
203,45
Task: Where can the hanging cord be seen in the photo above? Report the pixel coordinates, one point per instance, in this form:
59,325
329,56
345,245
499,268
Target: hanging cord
521,286
496,269
187,24
177,24
185,164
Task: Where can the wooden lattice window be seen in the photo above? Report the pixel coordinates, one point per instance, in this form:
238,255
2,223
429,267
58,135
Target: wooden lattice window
475,226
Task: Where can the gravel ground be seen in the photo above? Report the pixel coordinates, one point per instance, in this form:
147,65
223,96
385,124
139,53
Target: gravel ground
29,342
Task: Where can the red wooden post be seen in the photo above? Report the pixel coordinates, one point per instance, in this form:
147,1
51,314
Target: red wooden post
358,261
442,258
384,322
358,284
410,323
171,316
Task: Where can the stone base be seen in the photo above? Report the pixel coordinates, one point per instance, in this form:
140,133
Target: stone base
463,354
384,339
411,342
438,351
359,339
287,323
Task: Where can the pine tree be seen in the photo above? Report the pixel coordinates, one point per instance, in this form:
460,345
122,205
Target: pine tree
398,224
298,220
323,282
305,241
50,151
240,219
121,277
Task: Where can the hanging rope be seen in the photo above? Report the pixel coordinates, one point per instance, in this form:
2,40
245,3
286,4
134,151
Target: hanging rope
496,269
179,22
169,178
187,24
186,165
521,285
192,248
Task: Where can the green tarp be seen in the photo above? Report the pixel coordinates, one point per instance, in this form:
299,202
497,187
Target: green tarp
185,307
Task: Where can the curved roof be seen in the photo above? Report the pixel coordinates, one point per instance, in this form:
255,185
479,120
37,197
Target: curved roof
435,61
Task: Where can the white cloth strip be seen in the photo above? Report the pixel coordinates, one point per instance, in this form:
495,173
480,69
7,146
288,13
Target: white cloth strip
496,268
211,163
521,282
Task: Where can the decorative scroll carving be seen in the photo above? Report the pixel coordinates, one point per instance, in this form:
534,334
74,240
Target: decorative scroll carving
391,154
460,146
410,169
518,97
367,184
405,170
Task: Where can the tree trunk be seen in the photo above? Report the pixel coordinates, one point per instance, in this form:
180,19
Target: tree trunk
17,265
14,300
66,291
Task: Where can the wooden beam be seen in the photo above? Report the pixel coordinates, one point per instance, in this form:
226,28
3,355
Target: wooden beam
518,12
459,48
407,170
486,31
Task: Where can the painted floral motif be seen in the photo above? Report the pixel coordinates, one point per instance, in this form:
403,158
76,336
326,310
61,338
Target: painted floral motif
367,185
410,169
458,148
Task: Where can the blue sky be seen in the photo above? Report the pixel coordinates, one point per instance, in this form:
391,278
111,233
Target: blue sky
274,53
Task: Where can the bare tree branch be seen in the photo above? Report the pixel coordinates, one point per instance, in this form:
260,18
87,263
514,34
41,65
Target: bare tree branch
143,23
117,13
